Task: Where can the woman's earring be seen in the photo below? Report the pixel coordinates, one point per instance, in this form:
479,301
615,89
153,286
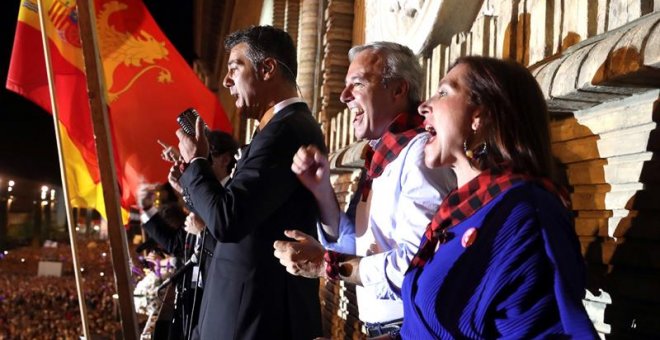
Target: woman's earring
468,153
479,151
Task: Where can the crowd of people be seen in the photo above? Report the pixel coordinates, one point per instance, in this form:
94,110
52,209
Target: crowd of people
46,307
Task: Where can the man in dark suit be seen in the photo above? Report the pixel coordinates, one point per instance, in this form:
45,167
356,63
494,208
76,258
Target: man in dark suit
248,294
165,226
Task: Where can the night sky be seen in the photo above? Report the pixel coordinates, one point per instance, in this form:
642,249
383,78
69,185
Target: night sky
27,137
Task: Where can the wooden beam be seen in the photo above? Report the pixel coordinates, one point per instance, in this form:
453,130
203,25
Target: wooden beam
99,111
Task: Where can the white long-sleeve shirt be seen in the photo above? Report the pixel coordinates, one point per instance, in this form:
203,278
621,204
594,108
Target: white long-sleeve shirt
402,201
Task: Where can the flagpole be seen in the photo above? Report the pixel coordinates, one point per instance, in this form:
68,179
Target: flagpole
65,184
99,113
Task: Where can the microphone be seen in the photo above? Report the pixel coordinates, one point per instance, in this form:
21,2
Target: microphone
177,274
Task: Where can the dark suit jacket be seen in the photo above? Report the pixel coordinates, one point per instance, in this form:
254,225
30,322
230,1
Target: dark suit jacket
172,240
249,294
177,242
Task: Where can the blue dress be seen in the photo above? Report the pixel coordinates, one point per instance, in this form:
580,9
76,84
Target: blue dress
523,277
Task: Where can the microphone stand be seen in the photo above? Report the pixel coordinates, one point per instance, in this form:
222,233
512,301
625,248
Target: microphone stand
179,273
180,278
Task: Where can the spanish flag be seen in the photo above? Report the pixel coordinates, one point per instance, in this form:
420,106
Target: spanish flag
147,82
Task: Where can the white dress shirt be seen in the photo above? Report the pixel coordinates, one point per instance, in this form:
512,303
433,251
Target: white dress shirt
281,105
402,202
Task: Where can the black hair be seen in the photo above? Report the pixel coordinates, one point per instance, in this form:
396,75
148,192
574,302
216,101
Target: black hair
267,42
220,143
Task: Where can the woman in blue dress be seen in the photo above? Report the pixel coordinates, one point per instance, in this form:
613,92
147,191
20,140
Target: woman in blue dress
500,259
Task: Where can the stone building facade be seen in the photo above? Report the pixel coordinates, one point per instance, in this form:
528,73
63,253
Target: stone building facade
598,64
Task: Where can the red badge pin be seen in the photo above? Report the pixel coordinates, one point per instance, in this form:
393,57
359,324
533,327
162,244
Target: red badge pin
469,237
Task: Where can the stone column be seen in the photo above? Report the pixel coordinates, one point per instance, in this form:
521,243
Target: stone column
279,13
309,52
291,19
337,41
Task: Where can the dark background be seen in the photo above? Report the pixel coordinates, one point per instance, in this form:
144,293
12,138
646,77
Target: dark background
28,148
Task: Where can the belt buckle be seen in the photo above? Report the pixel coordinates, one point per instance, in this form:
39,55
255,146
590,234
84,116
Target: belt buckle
382,328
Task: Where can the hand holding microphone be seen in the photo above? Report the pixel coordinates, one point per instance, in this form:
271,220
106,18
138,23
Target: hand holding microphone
192,142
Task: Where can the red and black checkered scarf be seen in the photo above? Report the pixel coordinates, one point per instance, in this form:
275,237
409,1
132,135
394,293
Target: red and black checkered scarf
400,132
461,203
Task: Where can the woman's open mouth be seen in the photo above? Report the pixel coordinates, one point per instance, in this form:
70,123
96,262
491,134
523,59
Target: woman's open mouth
429,128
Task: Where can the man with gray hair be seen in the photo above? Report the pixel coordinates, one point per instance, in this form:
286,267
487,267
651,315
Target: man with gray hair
383,90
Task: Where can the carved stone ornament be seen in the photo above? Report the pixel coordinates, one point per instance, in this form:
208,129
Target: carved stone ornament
418,24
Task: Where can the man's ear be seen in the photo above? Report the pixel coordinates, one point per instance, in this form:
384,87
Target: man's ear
225,158
268,68
400,88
